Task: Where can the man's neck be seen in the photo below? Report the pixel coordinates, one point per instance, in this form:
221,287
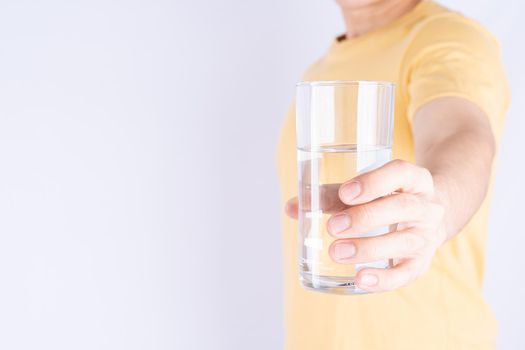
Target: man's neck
363,19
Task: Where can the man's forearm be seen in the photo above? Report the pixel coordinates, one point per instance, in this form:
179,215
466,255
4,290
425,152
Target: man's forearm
460,163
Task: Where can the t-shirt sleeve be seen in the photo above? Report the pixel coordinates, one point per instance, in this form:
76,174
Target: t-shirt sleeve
455,56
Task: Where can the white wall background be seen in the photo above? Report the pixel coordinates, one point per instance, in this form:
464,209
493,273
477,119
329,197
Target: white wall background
138,197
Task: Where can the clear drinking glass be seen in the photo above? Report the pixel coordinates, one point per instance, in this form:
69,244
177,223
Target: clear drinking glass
344,128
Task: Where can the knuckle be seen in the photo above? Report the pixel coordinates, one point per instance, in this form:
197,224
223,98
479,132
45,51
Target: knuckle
406,200
393,280
362,215
415,172
387,284
424,207
399,278
427,180
401,164
412,242
409,273
366,249
415,203
425,174
403,200
434,212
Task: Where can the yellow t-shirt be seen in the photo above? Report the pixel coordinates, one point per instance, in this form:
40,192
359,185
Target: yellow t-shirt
429,52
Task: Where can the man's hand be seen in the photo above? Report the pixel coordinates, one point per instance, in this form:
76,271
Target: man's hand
396,193
454,142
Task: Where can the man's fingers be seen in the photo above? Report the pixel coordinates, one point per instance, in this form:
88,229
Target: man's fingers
382,280
396,208
291,208
396,175
393,245
327,200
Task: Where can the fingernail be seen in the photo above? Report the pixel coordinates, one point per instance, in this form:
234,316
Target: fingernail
338,223
344,250
350,191
368,280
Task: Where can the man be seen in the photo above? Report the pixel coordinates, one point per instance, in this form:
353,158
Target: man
451,97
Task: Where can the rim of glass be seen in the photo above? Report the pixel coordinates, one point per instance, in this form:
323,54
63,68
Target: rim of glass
345,82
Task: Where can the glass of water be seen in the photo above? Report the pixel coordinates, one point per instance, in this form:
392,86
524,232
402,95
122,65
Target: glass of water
344,128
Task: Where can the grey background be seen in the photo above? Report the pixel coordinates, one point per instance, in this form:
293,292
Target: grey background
139,202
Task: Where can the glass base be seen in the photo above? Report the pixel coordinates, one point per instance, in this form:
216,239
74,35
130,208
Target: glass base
331,284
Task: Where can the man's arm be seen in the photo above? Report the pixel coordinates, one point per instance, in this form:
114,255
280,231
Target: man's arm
454,141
